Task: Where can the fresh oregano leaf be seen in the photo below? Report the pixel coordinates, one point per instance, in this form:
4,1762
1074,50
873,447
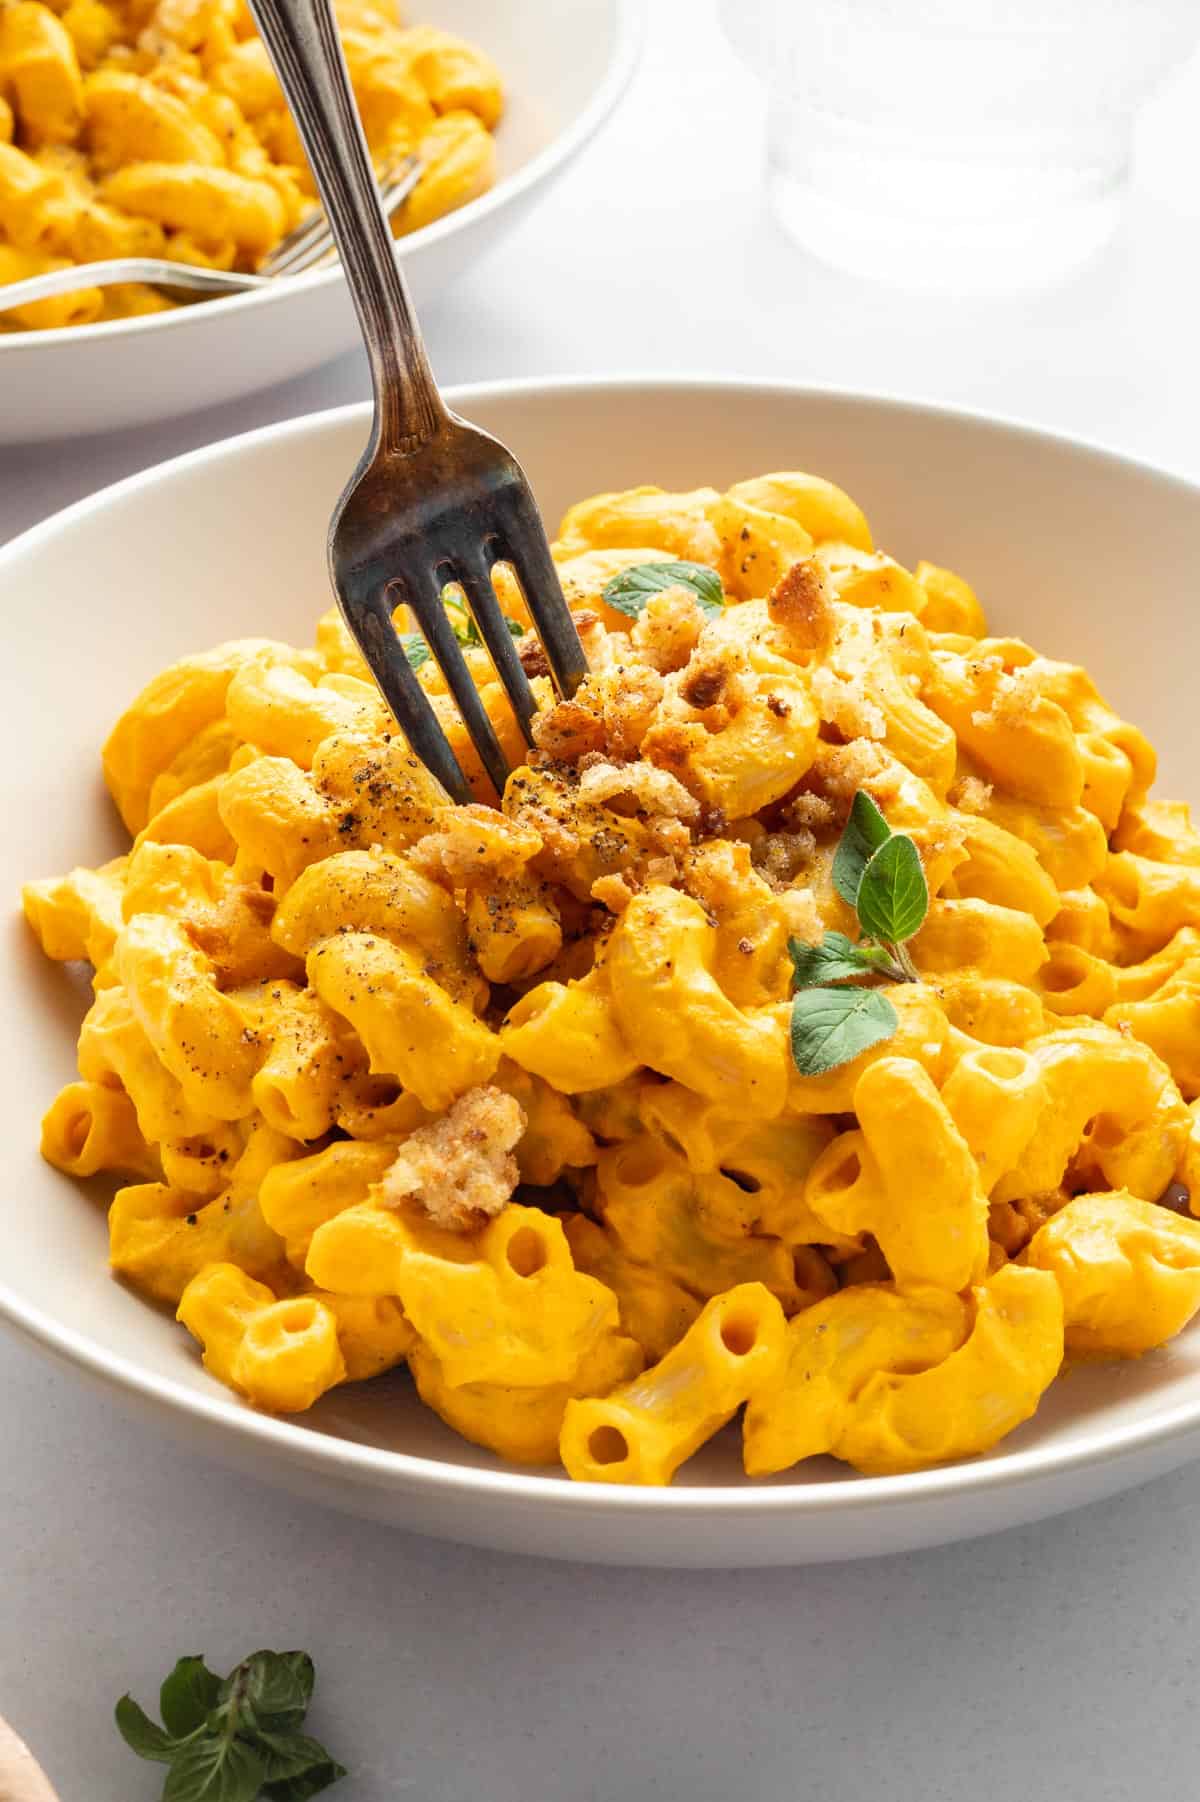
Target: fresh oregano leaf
836,959
630,590
275,1686
832,1026
141,1734
307,1783
187,1696
893,897
461,623
866,830
414,648
289,1754
214,1768
296,1766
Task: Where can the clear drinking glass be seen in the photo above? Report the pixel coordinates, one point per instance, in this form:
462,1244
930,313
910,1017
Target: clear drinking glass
955,144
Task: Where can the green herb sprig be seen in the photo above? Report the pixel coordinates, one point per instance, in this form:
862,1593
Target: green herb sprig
878,873
462,625
631,589
234,1738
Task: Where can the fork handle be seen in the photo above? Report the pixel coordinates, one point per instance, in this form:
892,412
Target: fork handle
302,40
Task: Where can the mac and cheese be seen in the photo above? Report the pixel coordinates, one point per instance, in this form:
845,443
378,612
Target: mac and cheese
506,1092
157,128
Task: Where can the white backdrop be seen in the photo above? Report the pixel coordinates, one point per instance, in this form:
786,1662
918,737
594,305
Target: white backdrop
1045,1665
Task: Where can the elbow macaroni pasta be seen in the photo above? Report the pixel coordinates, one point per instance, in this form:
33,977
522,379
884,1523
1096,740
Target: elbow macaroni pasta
134,129
503,1092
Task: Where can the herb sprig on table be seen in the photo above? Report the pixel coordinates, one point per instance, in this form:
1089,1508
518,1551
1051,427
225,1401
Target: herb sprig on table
234,1738
878,873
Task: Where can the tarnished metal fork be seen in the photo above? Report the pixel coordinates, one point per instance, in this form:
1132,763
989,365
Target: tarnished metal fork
434,500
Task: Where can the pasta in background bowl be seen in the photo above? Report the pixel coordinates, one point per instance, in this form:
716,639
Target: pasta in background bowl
161,131
165,137
1040,525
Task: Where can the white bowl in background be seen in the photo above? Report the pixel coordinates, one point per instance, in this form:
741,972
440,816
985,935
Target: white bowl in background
564,63
1087,554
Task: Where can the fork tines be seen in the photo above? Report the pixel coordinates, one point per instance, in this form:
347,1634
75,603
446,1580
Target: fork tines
417,575
310,243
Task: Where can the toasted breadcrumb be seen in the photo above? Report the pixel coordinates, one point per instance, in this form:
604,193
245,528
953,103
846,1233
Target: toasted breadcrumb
843,769
629,696
663,870
812,813
655,791
532,653
842,707
547,810
598,646
1013,697
609,714
615,892
971,795
800,609
713,684
802,915
569,731
475,844
721,876
781,856
460,1169
668,630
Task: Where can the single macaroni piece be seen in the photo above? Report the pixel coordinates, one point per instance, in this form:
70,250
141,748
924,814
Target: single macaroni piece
301,1195
1129,1272
673,1013
89,1127
78,917
568,1034
150,128
872,1378
645,1429
409,1026
197,1031
378,892
833,1351
908,1177
507,1093
281,1355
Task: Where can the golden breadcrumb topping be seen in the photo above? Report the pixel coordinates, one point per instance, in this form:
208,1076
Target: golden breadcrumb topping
475,844
971,795
460,1169
668,630
654,790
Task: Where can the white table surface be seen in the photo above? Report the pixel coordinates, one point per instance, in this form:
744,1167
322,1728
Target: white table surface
1048,1664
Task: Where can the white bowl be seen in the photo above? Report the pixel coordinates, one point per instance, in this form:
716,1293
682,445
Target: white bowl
1089,555
564,63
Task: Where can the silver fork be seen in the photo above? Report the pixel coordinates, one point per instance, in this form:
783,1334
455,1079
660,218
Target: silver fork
434,500
309,245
